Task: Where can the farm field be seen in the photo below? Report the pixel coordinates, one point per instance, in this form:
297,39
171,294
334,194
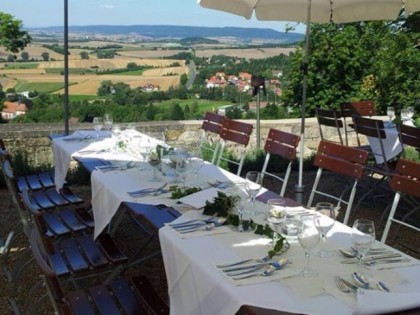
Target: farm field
249,53
162,74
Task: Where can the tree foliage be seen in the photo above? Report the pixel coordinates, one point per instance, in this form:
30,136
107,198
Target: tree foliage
12,37
370,60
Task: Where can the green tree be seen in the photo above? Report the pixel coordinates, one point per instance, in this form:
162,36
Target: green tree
11,58
121,93
84,55
12,37
45,56
176,112
25,56
150,112
131,65
183,79
105,88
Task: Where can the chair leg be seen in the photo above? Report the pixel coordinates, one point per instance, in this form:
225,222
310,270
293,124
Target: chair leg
391,216
350,203
25,260
5,251
315,186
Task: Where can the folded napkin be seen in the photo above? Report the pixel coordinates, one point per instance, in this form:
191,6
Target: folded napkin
377,302
198,199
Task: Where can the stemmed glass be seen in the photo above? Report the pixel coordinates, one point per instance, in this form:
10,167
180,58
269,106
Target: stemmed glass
108,123
410,114
390,111
253,184
196,162
308,237
275,214
154,160
324,219
97,125
362,237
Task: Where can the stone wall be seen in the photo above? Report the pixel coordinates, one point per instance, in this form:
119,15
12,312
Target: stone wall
34,141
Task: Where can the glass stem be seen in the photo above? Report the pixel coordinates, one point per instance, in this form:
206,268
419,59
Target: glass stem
308,256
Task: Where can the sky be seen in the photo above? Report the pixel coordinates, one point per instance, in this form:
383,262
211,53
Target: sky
42,13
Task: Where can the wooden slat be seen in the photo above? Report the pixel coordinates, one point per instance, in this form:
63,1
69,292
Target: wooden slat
351,154
73,255
46,180
71,219
79,303
129,300
56,198
339,166
103,300
34,182
148,293
280,149
42,200
92,251
70,196
55,224
114,254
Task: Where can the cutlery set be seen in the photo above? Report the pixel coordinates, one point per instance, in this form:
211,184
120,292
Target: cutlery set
359,281
260,267
148,191
109,168
78,139
198,224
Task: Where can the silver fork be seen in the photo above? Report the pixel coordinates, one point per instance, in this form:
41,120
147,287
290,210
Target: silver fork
340,284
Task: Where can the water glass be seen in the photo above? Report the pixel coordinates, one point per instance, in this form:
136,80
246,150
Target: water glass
97,125
154,160
362,237
108,123
253,184
308,237
324,220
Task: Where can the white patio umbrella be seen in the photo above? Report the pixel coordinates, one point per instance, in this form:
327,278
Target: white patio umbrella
318,11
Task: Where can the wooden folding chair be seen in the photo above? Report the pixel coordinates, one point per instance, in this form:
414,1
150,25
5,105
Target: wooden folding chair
405,182
409,136
238,133
341,160
284,145
209,142
331,119
348,109
72,256
135,296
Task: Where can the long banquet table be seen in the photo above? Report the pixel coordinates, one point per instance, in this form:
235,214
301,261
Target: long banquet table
197,287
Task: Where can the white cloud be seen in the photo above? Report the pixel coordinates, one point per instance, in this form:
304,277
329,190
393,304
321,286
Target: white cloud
107,6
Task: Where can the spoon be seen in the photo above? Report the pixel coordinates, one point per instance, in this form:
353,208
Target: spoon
206,227
361,281
277,265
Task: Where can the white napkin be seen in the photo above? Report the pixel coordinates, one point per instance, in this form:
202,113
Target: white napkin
198,199
375,302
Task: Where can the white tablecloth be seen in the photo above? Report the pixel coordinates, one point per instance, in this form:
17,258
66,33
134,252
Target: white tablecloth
197,287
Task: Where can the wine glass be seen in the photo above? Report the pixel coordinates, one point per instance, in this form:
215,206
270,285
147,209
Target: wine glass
410,114
362,237
196,162
97,125
308,237
180,161
154,160
240,204
275,214
324,219
390,111
404,116
108,123
253,184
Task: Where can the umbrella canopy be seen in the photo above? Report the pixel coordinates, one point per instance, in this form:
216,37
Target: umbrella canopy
307,11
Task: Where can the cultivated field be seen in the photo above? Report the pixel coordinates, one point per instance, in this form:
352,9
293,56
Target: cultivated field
251,53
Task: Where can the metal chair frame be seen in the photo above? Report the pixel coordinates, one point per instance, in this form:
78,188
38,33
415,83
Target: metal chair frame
282,144
210,139
342,160
238,133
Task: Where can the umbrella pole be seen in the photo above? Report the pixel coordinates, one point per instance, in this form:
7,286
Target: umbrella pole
66,69
300,188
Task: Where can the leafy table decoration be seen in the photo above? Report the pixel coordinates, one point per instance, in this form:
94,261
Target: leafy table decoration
178,192
223,205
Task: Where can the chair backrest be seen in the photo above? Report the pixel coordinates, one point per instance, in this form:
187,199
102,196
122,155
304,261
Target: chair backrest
360,108
329,118
405,180
409,136
237,132
209,141
342,160
282,144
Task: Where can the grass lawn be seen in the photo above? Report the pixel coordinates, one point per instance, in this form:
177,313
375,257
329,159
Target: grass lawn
71,70
203,105
21,65
40,87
